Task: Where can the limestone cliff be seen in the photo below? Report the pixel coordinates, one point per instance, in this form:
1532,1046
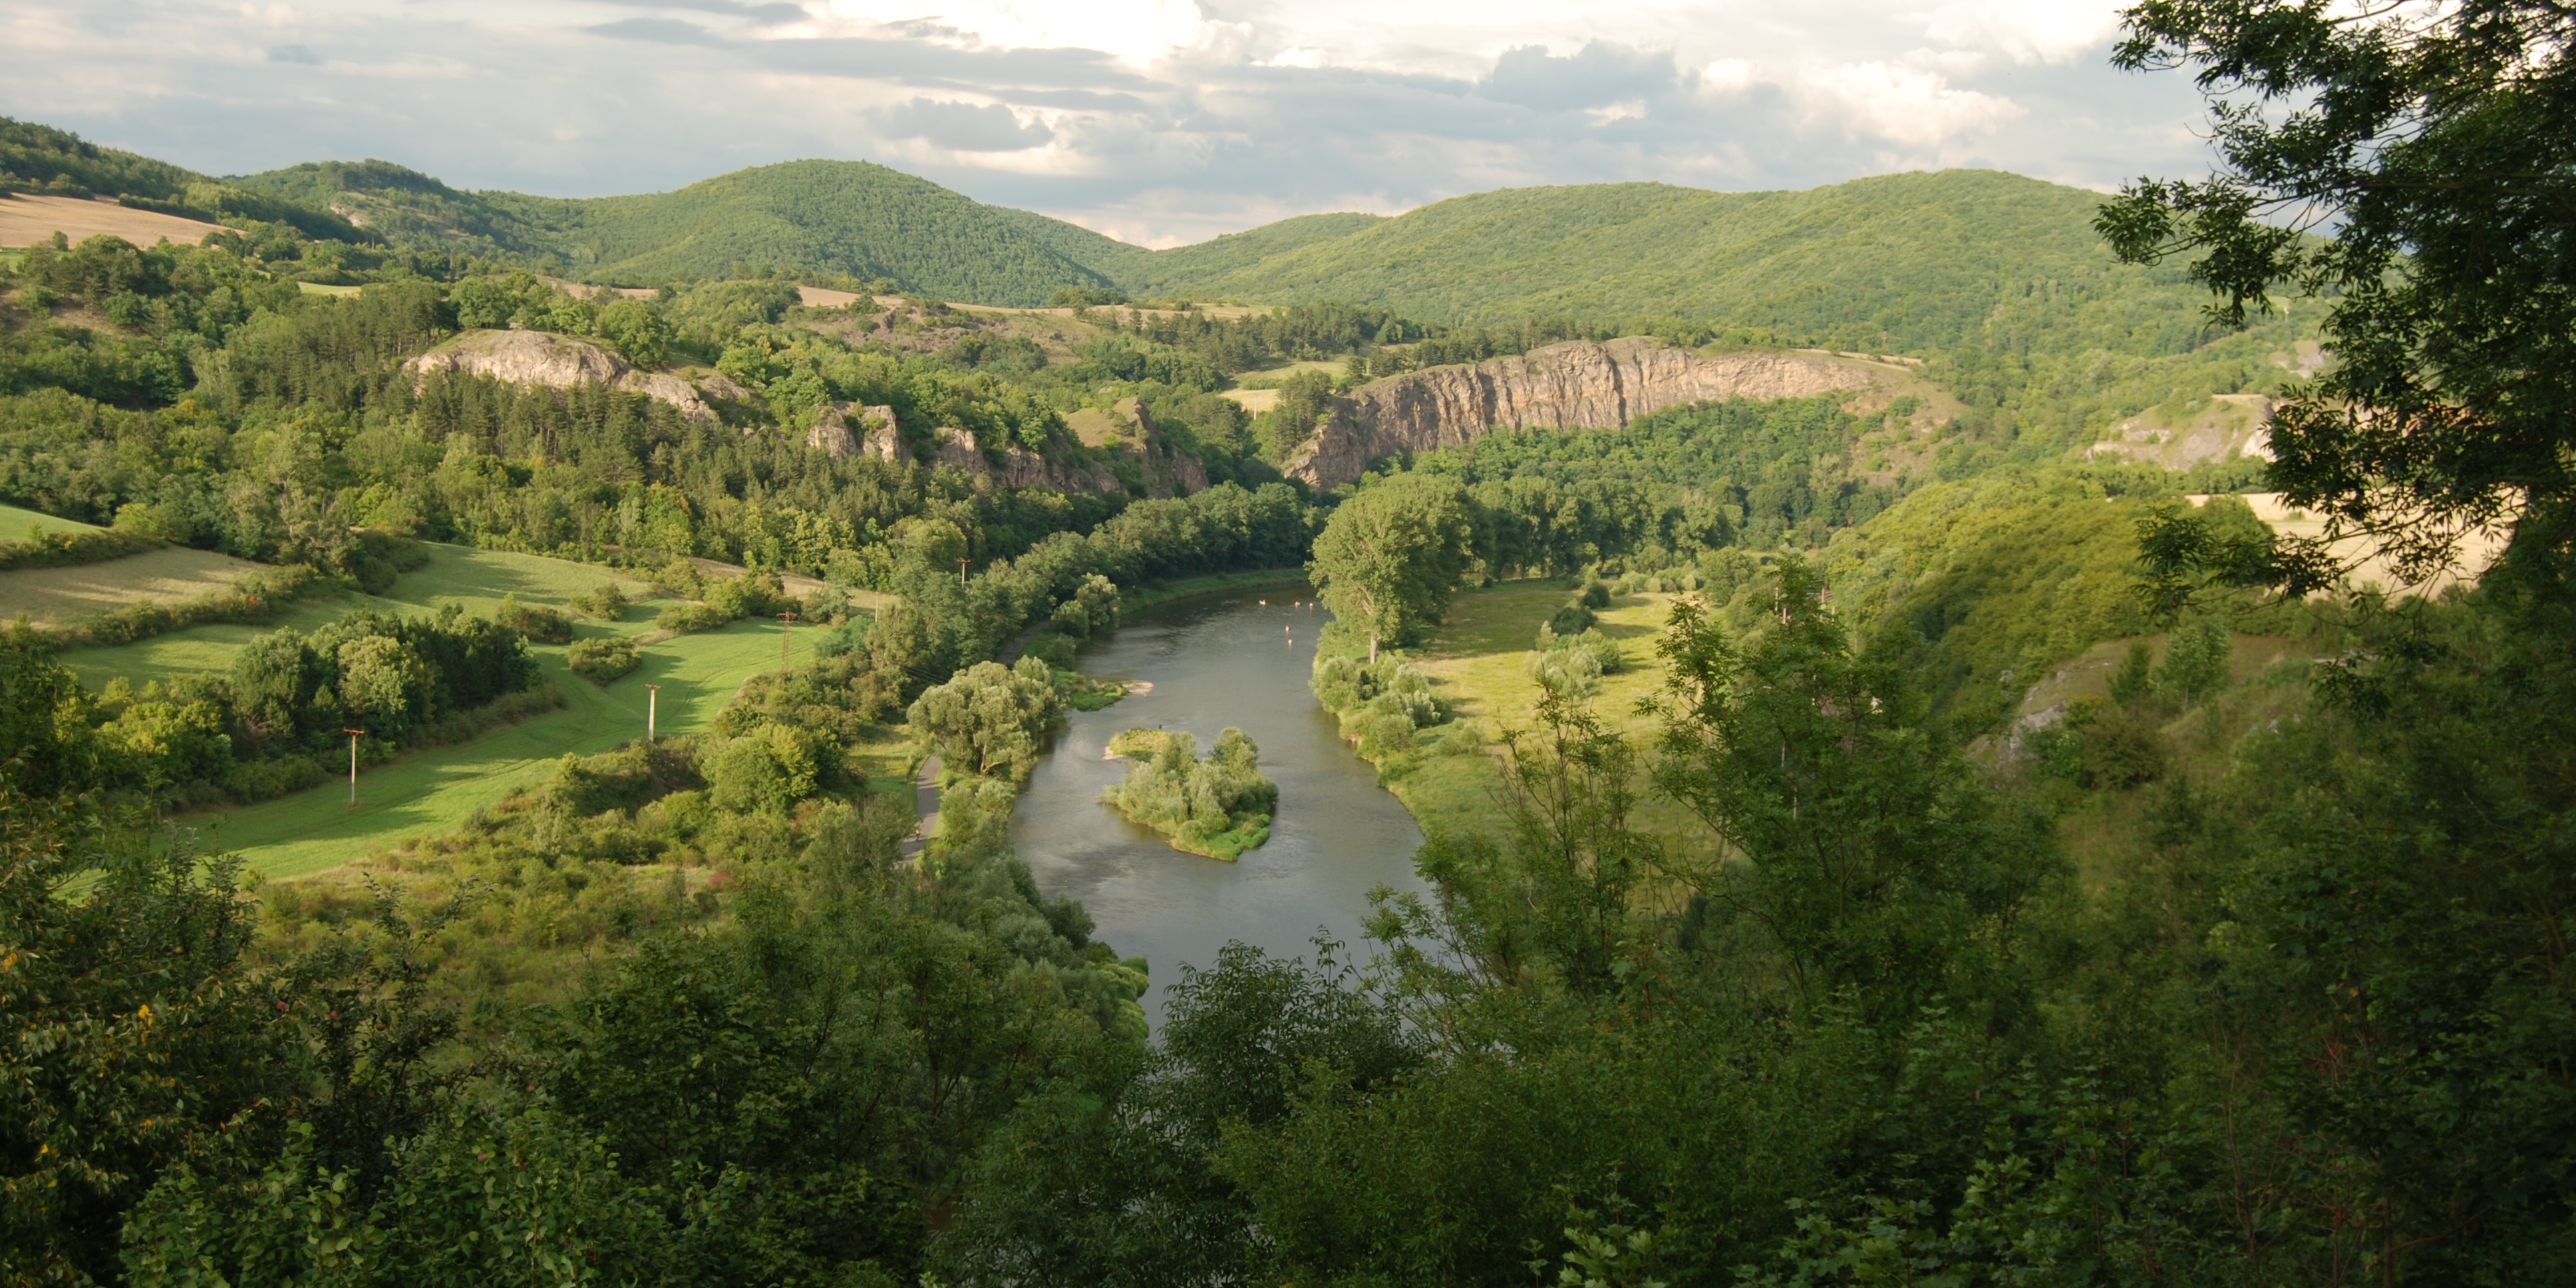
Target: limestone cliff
848,427
557,362
1150,460
1581,385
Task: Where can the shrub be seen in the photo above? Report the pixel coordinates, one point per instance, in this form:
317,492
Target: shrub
1056,650
750,595
604,661
544,625
850,636
607,602
684,619
766,770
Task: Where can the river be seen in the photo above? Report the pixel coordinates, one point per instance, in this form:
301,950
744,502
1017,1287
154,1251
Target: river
1215,661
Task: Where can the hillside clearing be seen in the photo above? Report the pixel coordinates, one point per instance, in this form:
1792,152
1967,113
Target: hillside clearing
2478,549
26,220
54,596
474,580
15,523
435,790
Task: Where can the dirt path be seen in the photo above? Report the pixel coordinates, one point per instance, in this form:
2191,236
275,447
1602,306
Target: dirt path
925,805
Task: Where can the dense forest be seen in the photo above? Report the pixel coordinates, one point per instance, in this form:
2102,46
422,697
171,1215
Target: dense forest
1840,959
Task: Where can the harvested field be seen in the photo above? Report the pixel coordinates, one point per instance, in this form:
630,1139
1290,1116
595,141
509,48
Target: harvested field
1255,401
26,220
2478,550
819,298
52,596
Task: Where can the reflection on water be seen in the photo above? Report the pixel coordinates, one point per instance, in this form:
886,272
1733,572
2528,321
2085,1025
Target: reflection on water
1212,663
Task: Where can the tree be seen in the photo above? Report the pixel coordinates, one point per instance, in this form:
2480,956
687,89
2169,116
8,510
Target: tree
2195,662
132,1030
768,769
1390,557
2436,147
638,331
990,718
382,680
1870,851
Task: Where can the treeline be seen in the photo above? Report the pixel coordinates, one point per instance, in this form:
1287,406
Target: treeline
944,623
298,423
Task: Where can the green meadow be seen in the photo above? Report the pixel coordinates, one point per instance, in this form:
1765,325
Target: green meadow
15,523
433,790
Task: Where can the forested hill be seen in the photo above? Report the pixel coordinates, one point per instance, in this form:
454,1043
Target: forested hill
1908,262
2002,276
808,218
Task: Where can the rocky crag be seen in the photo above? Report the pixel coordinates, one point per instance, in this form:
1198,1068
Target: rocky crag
1579,385
1153,464
561,362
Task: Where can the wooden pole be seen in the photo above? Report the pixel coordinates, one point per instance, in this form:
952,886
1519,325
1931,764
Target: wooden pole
652,707
786,629
354,735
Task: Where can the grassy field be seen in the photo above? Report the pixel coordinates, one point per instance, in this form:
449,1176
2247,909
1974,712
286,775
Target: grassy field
433,790
1478,662
473,579
50,596
15,522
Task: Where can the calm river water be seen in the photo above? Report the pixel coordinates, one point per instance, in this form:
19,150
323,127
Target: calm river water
1213,662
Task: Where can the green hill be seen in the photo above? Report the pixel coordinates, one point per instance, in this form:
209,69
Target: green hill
829,216
810,218
412,209
1911,262
39,157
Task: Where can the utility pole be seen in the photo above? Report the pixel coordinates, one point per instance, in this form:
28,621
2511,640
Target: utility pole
961,572
354,735
652,707
786,629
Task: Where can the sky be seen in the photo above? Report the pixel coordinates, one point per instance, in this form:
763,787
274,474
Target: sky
1156,121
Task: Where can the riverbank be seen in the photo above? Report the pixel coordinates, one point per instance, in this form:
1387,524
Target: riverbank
1215,584
1478,664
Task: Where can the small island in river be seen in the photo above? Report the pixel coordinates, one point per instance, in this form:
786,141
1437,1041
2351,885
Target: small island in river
1218,807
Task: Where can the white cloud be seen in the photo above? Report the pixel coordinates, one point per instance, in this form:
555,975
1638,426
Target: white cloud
1909,106
2027,31
1137,32
1151,119
1726,76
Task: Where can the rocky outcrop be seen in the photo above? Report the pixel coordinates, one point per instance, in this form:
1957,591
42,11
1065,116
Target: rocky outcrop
1581,385
848,428
1164,470
556,362
1020,467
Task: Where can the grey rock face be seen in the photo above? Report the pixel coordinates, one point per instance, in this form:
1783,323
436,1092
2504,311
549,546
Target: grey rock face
1579,385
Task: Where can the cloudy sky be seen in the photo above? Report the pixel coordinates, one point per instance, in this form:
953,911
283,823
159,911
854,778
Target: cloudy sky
1158,121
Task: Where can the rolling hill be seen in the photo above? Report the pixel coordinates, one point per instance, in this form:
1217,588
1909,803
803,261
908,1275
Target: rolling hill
1908,262
1954,262
810,218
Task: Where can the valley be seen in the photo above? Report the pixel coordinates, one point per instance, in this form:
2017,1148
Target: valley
1920,729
